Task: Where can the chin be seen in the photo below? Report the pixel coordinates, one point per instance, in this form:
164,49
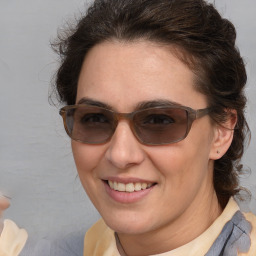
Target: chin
129,224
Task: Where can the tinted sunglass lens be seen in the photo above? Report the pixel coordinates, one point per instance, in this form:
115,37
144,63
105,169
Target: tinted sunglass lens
90,125
161,125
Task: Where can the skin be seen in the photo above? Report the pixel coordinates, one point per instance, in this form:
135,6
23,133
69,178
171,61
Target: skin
183,203
4,204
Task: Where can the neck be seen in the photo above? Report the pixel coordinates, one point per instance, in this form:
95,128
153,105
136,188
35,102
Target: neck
193,222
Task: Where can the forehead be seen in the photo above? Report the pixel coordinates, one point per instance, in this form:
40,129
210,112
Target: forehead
124,74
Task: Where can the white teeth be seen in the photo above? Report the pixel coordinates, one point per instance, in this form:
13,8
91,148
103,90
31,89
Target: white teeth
130,187
149,185
115,185
121,187
111,184
144,185
137,186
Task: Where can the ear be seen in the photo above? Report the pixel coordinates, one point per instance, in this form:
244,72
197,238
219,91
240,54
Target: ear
223,136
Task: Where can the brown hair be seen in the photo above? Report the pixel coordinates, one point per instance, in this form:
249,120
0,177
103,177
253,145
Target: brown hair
205,40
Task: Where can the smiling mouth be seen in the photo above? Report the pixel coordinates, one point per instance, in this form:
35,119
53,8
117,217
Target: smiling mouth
129,187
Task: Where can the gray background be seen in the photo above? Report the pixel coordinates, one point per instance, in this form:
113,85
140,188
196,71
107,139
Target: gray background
36,165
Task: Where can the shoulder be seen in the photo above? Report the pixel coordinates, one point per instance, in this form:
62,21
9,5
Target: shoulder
69,245
251,218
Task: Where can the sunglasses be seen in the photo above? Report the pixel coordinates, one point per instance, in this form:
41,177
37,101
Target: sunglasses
152,126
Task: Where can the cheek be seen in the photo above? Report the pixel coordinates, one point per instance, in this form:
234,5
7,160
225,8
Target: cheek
175,166
86,157
184,165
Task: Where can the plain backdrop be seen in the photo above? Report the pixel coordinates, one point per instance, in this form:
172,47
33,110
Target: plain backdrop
36,165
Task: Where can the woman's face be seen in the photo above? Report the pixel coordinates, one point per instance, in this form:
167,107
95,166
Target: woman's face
124,75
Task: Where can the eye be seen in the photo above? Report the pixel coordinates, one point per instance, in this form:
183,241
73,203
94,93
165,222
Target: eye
158,119
94,118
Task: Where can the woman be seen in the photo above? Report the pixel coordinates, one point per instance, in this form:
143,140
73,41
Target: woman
155,109
156,115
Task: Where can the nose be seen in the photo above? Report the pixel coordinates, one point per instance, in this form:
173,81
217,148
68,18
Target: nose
124,149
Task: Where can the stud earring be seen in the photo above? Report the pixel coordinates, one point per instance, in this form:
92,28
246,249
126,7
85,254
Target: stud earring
218,151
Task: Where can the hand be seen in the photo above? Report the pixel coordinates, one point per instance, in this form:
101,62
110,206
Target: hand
4,204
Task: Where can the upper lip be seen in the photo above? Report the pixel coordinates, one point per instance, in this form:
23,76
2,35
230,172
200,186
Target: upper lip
128,180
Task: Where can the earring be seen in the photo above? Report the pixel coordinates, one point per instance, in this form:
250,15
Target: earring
218,151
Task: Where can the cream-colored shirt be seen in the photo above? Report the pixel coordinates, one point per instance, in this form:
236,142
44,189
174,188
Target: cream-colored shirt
12,239
100,239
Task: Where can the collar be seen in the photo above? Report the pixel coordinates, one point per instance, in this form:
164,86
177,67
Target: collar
100,239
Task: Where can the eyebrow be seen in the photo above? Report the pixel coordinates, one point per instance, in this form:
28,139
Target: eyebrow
140,106
93,102
156,103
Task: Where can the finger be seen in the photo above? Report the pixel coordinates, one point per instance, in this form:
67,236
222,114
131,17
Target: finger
4,202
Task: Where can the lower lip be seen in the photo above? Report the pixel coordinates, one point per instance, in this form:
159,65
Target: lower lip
127,197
